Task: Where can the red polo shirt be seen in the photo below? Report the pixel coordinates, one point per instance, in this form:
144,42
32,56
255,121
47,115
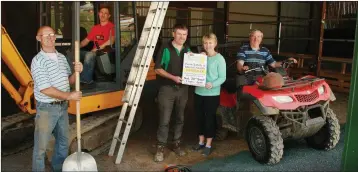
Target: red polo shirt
101,33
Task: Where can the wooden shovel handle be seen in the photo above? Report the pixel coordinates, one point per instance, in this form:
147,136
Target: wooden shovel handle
77,87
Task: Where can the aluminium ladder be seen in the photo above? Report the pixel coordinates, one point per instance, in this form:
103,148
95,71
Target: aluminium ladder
138,74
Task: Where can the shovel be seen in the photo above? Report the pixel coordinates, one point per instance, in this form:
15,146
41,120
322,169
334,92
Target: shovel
79,161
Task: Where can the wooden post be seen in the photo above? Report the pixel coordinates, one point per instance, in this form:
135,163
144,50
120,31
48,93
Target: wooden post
278,29
320,46
227,13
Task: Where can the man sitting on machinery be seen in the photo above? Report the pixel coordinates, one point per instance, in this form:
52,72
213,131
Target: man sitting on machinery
100,34
253,56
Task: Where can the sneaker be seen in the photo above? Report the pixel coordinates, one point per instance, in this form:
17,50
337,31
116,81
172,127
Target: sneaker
159,156
197,147
206,151
178,150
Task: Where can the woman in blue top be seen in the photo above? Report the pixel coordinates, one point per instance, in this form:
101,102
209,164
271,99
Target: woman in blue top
206,99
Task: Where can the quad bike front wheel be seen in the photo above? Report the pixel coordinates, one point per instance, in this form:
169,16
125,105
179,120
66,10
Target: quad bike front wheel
328,136
264,139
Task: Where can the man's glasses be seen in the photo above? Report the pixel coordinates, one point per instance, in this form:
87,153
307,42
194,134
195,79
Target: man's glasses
48,35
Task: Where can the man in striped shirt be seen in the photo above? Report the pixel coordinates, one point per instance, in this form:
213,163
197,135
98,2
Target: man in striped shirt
249,57
252,56
52,78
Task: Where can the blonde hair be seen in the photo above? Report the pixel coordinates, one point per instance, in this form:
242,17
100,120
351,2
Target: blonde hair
210,36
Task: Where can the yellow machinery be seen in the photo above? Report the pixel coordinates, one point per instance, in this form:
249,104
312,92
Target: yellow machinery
100,104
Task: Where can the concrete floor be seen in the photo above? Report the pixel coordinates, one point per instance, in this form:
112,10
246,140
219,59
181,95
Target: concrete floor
140,149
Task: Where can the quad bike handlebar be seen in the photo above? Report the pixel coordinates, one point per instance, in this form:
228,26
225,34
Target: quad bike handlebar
254,69
285,64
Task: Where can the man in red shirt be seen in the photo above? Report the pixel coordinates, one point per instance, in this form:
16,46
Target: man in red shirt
100,35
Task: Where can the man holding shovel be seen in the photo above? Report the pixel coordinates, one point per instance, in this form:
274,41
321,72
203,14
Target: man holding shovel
52,78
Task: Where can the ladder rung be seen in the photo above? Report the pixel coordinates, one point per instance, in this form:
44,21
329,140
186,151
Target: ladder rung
147,46
149,28
124,121
118,139
130,83
135,65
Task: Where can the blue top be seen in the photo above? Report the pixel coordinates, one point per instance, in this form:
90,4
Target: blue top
215,74
255,58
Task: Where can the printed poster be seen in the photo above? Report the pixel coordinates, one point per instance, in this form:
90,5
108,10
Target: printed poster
194,69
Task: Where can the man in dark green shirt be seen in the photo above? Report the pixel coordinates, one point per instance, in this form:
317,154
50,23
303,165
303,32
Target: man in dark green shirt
172,94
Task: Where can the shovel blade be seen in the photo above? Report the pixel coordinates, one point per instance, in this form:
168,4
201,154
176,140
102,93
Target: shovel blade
79,162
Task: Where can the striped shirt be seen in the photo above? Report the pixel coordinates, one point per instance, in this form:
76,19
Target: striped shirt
255,58
47,72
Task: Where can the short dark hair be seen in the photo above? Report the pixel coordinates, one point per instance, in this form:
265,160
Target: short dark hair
179,26
105,6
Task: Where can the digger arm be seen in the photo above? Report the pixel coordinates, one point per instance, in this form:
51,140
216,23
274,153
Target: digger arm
18,67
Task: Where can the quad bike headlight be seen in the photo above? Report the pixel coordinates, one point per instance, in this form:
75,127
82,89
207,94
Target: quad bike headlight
283,99
320,90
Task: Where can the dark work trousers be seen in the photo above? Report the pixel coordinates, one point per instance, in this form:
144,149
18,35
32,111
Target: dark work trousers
169,98
205,109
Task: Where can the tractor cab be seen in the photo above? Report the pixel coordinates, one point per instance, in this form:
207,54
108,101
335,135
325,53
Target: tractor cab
73,22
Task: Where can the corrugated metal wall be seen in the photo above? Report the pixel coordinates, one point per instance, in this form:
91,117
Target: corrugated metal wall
197,30
240,32
299,31
294,17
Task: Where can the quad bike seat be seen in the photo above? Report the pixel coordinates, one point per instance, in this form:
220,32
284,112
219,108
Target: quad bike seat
271,81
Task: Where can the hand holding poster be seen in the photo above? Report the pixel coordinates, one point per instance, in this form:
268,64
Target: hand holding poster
194,69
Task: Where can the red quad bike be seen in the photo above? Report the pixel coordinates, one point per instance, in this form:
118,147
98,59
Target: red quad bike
299,109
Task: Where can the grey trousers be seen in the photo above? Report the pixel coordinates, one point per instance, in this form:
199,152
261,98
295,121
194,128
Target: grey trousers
169,98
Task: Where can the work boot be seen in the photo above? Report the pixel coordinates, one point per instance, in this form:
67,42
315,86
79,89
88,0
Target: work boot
178,150
159,156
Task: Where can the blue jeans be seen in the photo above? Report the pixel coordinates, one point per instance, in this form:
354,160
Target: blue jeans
89,60
50,119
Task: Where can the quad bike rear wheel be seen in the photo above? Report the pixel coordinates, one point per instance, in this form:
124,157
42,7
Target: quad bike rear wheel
328,136
264,139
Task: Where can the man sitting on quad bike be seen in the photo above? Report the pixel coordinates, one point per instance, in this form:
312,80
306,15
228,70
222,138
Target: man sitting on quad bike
288,108
251,57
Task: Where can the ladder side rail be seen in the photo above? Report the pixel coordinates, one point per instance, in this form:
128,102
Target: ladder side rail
118,129
139,90
148,52
139,52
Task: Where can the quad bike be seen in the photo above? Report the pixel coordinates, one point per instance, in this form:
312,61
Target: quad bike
299,109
